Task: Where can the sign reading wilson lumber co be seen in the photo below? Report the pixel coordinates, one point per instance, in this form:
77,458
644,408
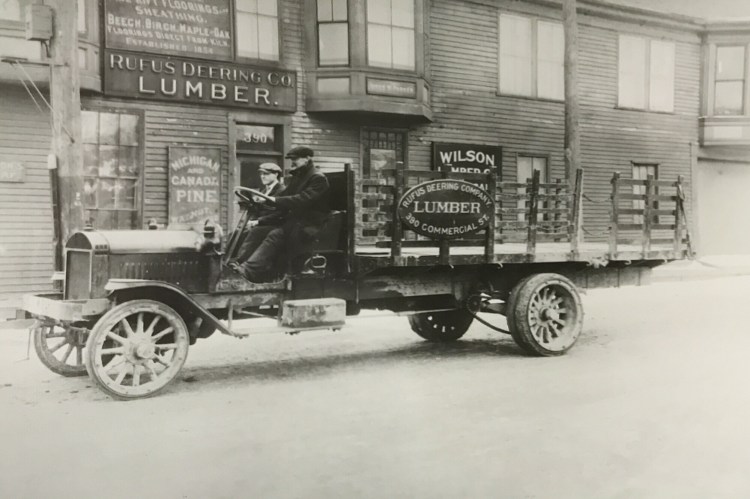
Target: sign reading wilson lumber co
177,79
446,209
193,28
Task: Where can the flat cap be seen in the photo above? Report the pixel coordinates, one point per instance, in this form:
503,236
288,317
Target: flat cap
270,167
300,152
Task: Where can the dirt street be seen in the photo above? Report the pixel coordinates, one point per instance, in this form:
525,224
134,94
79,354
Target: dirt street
649,403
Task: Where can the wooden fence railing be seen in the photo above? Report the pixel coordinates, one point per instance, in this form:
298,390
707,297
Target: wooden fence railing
643,212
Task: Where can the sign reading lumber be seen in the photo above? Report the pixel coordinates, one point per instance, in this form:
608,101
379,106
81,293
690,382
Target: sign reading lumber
194,185
446,209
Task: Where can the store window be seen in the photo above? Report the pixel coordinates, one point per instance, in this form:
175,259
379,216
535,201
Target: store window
729,82
390,34
382,150
641,171
531,56
258,29
333,33
646,74
112,159
526,165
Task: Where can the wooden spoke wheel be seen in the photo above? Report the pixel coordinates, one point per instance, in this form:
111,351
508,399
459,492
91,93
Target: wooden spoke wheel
444,326
60,347
545,314
136,349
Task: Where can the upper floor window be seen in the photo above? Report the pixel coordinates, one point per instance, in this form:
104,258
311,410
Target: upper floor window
390,34
729,82
531,57
258,29
646,74
333,33
11,10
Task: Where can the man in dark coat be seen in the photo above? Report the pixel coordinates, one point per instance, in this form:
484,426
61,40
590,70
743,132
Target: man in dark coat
266,217
305,206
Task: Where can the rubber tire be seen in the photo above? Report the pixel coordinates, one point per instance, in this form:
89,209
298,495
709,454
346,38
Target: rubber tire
430,325
50,361
518,308
103,326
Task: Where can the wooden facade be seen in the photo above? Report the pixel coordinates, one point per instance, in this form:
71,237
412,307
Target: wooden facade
457,60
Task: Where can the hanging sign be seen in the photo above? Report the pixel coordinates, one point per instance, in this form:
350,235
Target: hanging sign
194,185
446,209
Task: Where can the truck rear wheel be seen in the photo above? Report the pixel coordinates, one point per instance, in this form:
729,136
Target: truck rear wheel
136,349
448,325
545,314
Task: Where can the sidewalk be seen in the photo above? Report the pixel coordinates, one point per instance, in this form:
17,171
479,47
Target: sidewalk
706,267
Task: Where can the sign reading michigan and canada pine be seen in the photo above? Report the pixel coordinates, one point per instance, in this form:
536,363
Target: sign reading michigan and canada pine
194,185
446,209
191,28
178,79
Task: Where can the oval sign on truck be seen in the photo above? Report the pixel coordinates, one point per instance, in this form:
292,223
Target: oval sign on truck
446,209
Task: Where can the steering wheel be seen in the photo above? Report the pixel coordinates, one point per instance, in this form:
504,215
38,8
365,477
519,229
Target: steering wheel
246,193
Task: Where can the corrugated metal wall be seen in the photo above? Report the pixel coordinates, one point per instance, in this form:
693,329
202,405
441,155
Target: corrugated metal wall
26,226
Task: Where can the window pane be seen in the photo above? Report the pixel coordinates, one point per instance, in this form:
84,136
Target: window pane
106,193
247,5
128,166
515,55
339,10
661,86
128,130
125,194
333,44
379,45
90,186
108,128
10,10
268,32
247,35
379,11
267,7
90,160
403,53
325,10
632,72
81,15
728,98
89,127
108,161
730,63
550,53
403,13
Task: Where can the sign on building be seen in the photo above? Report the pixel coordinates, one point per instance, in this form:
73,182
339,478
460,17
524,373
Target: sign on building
194,185
176,79
467,158
200,29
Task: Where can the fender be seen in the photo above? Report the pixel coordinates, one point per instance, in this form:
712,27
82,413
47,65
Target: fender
158,290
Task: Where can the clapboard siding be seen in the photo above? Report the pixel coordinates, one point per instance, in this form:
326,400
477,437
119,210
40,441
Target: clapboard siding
26,226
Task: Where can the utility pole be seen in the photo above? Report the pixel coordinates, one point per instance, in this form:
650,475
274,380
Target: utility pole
572,135
65,99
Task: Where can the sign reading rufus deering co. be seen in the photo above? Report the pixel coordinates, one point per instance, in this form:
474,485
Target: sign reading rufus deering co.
195,81
446,209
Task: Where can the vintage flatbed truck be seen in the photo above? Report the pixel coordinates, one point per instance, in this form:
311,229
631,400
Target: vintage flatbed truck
437,246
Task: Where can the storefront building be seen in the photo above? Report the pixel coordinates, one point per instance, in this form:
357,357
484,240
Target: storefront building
181,100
